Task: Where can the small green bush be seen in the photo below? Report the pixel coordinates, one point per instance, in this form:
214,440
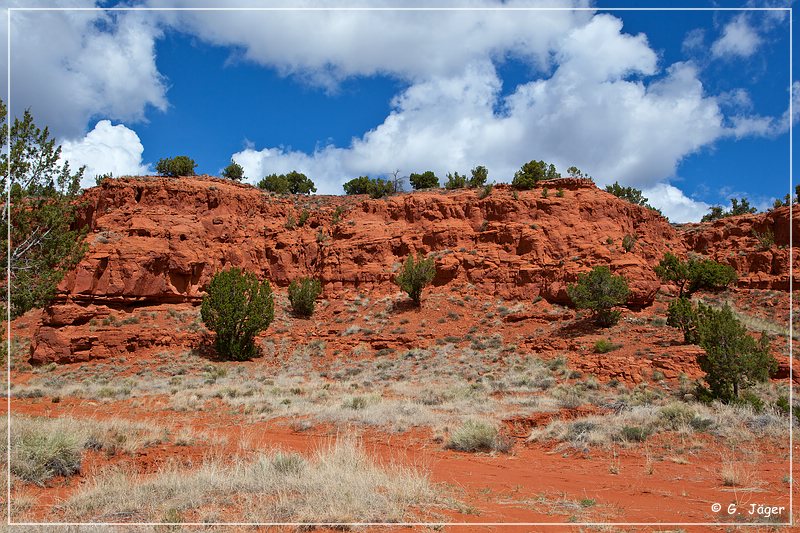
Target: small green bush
477,436
479,176
694,274
766,240
628,242
600,291
426,180
375,187
605,346
303,294
455,181
237,307
274,183
415,276
634,434
560,193
532,173
304,214
234,171
486,191
176,166
37,456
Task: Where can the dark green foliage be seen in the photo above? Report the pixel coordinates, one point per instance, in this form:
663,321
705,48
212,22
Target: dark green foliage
234,171
765,240
176,166
415,276
575,172
304,214
302,295
695,274
634,433
600,291
294,182
299,183
605,346
629,194
733,360
455,181
532,173
426,180
485,191
375,187
237,307
46,240
628,242
560,193
479,176
277,183
100,178
545,192
681,314
738,207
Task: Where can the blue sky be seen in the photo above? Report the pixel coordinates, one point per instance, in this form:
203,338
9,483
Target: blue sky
690,106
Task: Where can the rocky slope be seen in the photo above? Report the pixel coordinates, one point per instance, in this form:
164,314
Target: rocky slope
155,241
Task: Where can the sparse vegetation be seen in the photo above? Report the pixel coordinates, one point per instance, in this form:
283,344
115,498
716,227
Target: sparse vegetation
426,180
176,166
273,487
375,187
738,207
234,171
532,173
694,274
455,181
605,346
237,307
628,242
415,275
294,182
303,294
477,436
600,291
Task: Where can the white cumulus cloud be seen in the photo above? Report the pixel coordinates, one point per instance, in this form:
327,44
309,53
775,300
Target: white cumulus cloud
107,148
71,66
738,39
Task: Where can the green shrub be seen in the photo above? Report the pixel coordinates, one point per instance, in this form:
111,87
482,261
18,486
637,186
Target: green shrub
694,274
294,182
766,240
376,188
37,456
302,295
304,214
605,346
176,166
681,314
733,360
600,291
426,180
477,436
532,173
274,183
560,193
415,276
455,181
545,193
634,433
628,242
738,207
485,191
237,307
234,171
479,176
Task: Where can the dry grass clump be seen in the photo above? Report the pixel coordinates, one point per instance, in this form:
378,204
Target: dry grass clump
635,423
338,484
478,436
42,448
